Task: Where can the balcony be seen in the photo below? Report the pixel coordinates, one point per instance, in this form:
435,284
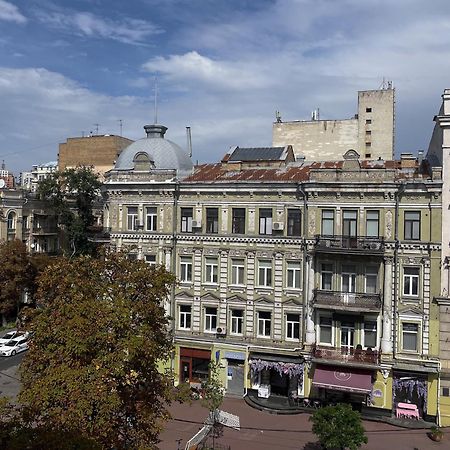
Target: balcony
351,244
346,355
46,230
346,301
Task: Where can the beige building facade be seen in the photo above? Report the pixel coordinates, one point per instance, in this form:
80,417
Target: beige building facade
370,132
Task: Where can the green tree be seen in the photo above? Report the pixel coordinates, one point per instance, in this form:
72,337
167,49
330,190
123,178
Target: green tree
338,427
14,277
72,194
92,366
213,394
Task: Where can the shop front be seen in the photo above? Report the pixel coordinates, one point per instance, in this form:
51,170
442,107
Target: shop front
276,375
194,365
410,388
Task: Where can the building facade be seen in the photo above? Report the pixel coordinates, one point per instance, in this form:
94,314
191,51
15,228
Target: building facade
370,131
29,180
309,281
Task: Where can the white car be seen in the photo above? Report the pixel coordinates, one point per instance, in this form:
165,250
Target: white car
14,346
13,334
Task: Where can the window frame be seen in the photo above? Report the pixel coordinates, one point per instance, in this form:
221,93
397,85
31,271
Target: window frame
319,331
372,221
262,324
234,272
151,263
292,326
151,218
417,334
211,318
296,275
363,334
367,275
186,219
350,222
409,226
132,218
267,273
327,220
186,269
211,270
212,221
236,322
265,221
238,222
184,317
11,221
352,278
294,222
411,277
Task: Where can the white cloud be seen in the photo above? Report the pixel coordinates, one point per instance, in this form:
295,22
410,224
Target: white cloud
126,30
11,13
193,67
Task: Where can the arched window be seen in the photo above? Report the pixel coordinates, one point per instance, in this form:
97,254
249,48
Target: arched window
11,221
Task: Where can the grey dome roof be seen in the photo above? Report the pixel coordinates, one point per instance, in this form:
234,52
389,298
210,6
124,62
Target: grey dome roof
163,153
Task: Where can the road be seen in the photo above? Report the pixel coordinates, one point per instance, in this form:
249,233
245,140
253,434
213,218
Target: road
9,377
264,431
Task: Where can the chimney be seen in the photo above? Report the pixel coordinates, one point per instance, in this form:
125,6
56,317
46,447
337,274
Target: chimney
407,161
155,131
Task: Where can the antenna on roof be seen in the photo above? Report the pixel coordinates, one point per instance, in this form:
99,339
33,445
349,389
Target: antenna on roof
156,100
278,116
120,125
96,128
189,141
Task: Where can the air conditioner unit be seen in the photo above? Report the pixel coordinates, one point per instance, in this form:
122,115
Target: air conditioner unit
196,224
221,331
278,226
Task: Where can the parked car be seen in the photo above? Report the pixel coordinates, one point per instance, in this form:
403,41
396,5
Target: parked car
14,346
13,334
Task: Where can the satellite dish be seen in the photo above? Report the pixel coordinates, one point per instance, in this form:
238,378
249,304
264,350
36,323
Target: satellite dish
2,183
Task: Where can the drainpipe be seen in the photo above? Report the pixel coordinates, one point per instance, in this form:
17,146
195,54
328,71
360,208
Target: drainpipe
173,262
301,189
399,192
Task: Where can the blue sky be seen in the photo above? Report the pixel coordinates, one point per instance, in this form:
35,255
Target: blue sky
223,68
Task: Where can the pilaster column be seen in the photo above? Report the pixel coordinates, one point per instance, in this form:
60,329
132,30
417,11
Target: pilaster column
310,331
386,341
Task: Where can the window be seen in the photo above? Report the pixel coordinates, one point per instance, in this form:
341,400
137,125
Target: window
130,256
328,222
210,320
212,220
348,278
265,273
237,271
368,144
211,270
151,219
412,225
294,222
411,281
264,323
368,110
186,220
265,221
368,155
184,321
325,330
237,321
410,333
150,260
293,275
25,223
371,280
368,133
370,334
349,223
368,121
132,217
11,221
326,276
186,269
238,221
293,326
372,223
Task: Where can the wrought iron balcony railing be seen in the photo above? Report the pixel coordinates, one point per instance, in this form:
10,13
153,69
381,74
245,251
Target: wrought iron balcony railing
344,354
352,244
346,300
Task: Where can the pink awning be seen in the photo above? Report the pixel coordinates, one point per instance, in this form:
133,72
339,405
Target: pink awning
343,379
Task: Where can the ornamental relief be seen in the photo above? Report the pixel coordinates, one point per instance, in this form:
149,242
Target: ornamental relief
237,253
388,232
211,251
185,251
411,260
312,224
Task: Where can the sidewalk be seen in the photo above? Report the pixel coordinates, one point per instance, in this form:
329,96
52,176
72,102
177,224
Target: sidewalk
263,431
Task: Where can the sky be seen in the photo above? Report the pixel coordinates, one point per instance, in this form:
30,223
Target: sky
223,67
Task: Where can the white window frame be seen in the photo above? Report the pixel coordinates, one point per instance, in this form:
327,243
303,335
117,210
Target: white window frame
151,218
328,272
265,273
211,270
411,277
332,326
363,333
11,221
235,321
237,272
371,272
418,335
266,221
132,218
327,219
150,260
352,277
185,270
186,221
183,316
263,321
290,326
371,221
293,270
209,318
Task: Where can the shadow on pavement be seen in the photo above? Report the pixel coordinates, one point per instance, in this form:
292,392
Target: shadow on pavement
312,446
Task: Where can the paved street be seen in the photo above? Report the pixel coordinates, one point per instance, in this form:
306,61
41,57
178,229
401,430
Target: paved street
261,430
9,377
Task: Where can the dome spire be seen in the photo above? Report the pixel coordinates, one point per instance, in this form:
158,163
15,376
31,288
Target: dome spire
156,101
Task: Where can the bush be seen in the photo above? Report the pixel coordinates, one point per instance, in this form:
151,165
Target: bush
338,427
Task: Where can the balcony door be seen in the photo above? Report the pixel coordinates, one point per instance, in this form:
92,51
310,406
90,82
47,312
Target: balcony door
349,228
347,337
348,278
